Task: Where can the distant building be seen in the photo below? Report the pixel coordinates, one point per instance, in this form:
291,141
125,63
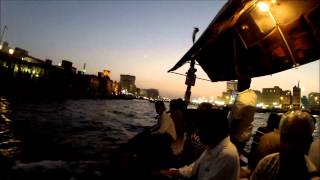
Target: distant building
83,70
93,85
150,93
100,74
271,96
259,96
20,53
48,61
5,47
106,84
285,99
143,92
127,83
232,86
107,73
314,100
67,66
32,59
305,102
227,97
296,96
153,93
116,88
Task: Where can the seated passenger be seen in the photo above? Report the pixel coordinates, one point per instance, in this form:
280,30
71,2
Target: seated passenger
163,136
266,140
220,161
291,162
314,152
177,111
242,112
165,124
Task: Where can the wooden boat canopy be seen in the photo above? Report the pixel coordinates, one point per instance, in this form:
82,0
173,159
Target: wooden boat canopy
257,38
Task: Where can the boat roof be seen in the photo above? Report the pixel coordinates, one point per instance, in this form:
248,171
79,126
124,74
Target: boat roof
257,38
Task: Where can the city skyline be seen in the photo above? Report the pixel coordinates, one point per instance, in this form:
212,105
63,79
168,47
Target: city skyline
140,38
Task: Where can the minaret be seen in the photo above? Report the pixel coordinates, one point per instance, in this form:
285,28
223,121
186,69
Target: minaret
84,68
296,96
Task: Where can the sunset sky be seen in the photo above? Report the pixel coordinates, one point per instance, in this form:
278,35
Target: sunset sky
143,38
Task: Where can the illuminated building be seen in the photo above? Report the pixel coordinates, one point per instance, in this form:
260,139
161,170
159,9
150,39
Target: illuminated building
285,99
127,83
314,100
296,96
305,102
116,89
230,94
232,86
259,96
107,73
106,84
271,96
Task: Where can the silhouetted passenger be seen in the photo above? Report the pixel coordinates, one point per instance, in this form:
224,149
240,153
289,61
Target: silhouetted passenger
193,139
204,106
177,110
162,137
291,162
314,152
220,161
150,149
165,124
265,141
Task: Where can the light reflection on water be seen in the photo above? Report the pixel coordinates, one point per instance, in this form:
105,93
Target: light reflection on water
9,143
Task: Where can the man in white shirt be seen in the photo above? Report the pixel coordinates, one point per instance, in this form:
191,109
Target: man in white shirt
220,161
165,123
242,112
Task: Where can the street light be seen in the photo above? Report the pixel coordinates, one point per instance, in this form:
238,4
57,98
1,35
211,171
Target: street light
11,51
264,7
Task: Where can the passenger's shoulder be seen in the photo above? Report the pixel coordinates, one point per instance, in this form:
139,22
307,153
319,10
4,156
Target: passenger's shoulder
231,151
270,159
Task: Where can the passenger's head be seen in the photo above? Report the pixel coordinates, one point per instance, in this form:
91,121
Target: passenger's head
173,104
160,107
244,82
296,128
204,106
213,126
181,104
177,104
273,121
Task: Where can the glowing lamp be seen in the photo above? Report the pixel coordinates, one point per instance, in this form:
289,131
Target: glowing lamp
11,51
263,6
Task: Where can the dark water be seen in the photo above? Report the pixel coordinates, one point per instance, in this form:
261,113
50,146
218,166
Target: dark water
73,138
76,136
